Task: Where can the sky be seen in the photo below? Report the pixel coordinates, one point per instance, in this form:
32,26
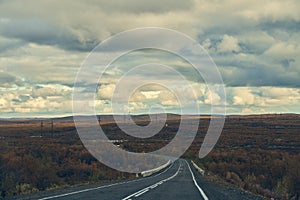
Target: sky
255,45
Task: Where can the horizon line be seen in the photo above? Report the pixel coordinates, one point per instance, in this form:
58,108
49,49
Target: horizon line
143,114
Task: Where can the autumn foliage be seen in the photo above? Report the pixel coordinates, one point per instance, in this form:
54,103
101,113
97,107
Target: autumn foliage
259,153
30,164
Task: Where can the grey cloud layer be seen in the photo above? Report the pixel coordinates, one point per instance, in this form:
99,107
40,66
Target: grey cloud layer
79,26
254,43
44,33
6,78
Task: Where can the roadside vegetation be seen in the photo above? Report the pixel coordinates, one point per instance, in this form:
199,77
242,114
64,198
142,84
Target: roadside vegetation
31,164
260,154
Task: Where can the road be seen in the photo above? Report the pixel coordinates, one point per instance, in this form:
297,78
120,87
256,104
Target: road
178,176
178,181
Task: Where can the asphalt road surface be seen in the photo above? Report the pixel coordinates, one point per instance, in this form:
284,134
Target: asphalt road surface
178,181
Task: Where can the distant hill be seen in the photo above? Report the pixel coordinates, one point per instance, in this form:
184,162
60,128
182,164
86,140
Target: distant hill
143,117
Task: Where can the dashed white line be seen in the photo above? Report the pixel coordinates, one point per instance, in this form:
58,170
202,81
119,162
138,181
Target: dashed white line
104,186
195,182
142,193
80,191
146,189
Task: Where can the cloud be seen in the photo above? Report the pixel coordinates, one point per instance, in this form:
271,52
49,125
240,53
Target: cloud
36,100
229,44
6,79
49,90
137,96
167,98
105,92
9,44
136,6
255,44
271,10
244,97
43,32
41,64
283,50
264,96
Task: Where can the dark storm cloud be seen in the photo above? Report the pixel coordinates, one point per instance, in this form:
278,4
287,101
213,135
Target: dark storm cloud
256,71
9,44
137,6
289,26
44,33
42,43
6,78
251,66
261,75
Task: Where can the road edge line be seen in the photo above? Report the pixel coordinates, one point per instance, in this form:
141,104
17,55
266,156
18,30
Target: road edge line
195,182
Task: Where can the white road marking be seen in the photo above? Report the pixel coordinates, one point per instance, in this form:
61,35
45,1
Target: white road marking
104,186
142,193
195,182
81,191
146,189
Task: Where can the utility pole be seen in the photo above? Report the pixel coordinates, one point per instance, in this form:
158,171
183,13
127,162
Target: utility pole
52,130
129,117
42,125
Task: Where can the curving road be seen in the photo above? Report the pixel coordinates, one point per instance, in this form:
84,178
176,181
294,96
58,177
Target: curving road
178,181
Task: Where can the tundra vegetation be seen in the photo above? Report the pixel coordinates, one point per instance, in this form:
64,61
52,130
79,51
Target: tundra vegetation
258,153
